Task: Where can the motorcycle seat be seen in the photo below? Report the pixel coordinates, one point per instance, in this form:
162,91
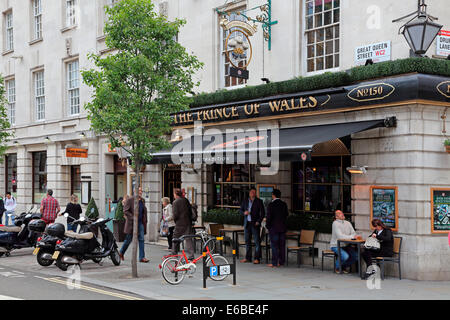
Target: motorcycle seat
81,236
11,229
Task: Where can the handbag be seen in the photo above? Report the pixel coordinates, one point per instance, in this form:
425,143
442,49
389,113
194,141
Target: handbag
164,228
372,243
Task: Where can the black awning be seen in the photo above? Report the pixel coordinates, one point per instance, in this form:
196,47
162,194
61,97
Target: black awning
289,143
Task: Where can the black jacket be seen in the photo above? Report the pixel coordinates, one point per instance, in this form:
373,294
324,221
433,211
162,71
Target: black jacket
386,238
257,213
2,207
277,213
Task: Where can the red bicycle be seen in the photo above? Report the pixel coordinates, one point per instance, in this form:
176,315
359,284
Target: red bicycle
175,267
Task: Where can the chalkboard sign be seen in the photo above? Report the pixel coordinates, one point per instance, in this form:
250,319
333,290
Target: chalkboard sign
440,210
265,193
384,205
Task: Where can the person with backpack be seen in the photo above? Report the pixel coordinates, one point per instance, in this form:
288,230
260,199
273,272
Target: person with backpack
10,207
182,216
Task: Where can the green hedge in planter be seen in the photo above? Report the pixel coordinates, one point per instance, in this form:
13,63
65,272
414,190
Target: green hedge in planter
326,80
119,212
92,210
322,223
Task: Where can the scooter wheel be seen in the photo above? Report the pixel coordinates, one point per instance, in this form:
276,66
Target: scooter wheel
60,265
43,262
97,260
115,257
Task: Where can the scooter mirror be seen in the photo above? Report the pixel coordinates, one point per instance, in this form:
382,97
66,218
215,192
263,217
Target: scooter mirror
66,215
28,216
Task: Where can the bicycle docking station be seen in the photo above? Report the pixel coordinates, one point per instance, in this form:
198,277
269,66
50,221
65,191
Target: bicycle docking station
218,270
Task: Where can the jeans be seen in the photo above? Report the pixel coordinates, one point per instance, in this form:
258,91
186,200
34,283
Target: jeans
7,217
278,244
170,236
348,256
71,227
188,244
249,231
129,239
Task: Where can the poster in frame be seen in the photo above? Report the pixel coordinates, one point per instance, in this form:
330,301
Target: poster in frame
440,210
384,205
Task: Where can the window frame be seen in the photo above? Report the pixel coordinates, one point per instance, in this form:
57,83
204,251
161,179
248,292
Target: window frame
9,31
37,19
37,96
305,31
34,173
71,16
70,89
11,104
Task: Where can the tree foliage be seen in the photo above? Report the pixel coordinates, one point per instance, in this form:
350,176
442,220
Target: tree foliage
4,122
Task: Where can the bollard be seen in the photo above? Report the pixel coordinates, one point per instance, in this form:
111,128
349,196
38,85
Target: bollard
204,268
234,267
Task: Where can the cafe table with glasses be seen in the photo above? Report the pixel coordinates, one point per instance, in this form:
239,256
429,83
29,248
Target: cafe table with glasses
359,243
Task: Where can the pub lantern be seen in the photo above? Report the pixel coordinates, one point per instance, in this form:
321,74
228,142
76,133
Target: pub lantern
420,31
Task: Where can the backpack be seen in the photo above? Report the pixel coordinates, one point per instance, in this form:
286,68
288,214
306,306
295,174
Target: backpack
194,212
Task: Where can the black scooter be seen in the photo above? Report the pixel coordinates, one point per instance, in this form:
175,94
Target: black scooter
19,237
45,245
78,247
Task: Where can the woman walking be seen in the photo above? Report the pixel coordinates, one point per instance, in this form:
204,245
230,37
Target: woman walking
168,217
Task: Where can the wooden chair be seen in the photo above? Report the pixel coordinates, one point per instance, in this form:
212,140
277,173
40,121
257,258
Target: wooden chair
264,245
306,243
394,259
329,254
214,230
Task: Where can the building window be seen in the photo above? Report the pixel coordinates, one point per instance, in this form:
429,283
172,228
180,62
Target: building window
37,19
322,185
9,31
232,184
11,96
71,18
73,88
11,174
39,95
230,81
75,181
107,3
322,34
39,176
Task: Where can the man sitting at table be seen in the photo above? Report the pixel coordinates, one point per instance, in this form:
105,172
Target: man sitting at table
343,229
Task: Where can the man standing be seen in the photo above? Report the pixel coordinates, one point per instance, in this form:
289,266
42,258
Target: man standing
277,213
49,208
253,211
2,210
342,229
181,211
128,210
10,207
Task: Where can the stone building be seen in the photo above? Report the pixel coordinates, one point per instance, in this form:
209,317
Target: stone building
45,45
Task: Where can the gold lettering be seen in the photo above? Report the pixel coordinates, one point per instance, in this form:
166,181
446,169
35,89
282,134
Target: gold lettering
234,112
257,106
302,103
189,117
448,89
314,102
183,117
175,119
293,106
219,113
274,105
225,114
206,115
247,112
285,104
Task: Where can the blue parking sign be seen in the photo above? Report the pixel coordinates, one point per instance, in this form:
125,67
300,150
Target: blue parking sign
213,271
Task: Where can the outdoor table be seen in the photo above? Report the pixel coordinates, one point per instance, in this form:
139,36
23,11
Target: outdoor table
267,238
358,244
235,232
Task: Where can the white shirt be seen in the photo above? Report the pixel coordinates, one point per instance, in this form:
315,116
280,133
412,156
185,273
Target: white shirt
10,204
342,229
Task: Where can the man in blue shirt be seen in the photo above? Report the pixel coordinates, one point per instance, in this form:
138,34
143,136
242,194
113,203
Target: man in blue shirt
253,211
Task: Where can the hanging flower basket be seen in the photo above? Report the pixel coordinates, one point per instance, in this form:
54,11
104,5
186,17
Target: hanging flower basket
447,145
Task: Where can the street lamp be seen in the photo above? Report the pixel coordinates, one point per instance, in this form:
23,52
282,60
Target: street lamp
420,31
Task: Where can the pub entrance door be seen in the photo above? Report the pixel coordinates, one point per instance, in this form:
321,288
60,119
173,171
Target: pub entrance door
172,179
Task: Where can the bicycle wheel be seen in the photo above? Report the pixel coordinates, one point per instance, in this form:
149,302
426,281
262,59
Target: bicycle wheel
168,270
211,244
218,261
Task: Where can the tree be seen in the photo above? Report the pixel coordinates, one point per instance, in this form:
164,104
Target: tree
4,122
137,88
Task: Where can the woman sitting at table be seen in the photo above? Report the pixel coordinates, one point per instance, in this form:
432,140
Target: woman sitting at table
342,229
386,238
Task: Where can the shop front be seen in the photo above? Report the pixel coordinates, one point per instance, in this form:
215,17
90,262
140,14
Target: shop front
371,149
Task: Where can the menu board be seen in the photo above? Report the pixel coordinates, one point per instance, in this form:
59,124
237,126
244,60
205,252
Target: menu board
383,205
265,193
440,210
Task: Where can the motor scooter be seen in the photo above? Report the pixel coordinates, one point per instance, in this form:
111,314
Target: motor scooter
19,236
78,247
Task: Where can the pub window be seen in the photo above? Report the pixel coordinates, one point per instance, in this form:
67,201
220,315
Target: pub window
322,185
75,181
232,184
11,174
229,81
322,34
39,176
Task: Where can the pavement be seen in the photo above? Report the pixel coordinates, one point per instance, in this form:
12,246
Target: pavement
258,282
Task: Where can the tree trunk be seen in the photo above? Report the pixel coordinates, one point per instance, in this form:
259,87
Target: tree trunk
137,170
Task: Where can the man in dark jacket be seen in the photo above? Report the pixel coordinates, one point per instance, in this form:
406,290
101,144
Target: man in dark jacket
277,213
128,211
181,211
2,210
253,211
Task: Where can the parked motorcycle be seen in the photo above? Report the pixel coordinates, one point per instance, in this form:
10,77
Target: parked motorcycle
45,246
19,236
79,247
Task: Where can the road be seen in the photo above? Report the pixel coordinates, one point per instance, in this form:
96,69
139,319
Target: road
27,285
